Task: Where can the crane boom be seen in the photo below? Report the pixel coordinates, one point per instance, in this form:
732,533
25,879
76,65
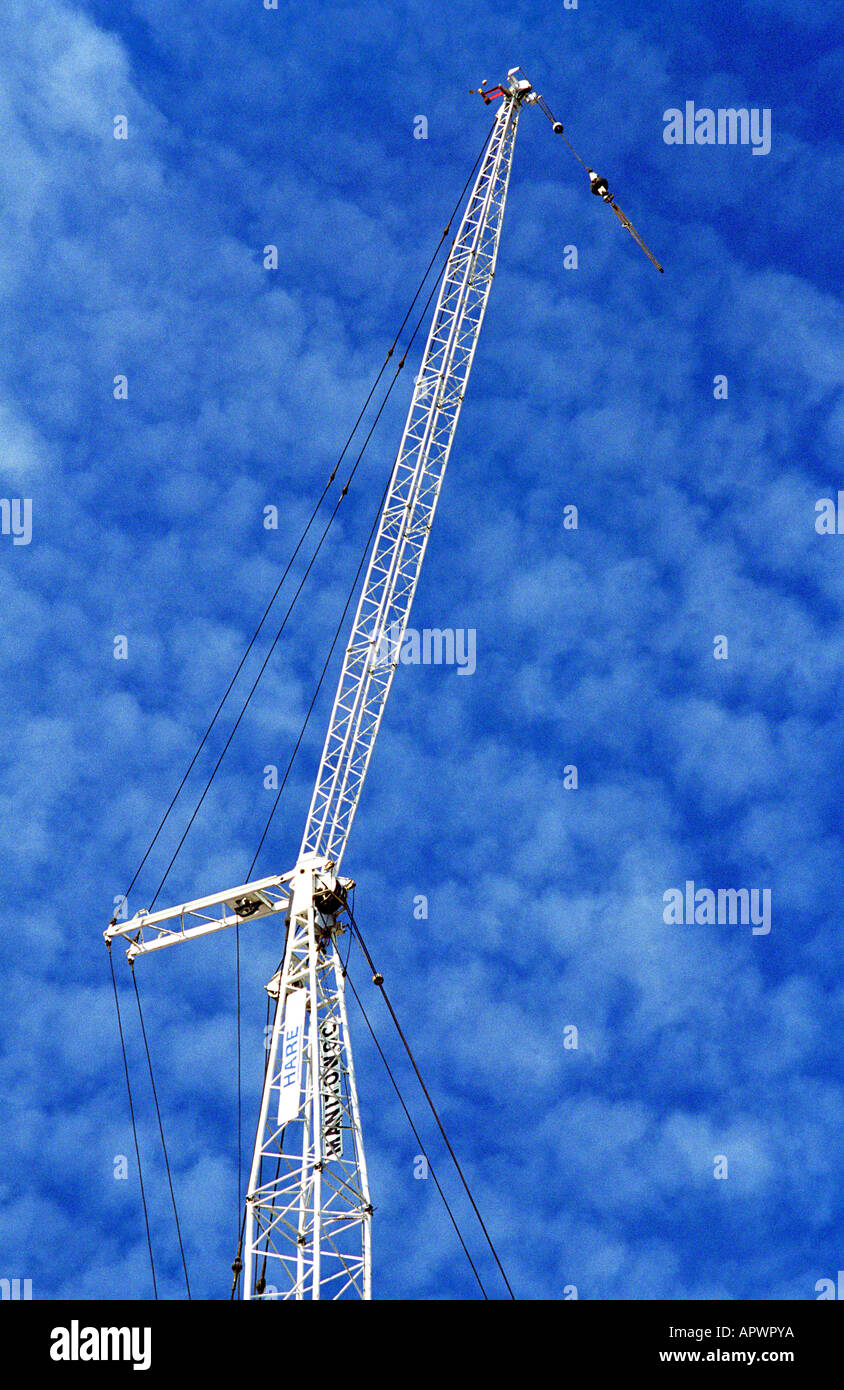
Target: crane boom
307,1224
308,1216
408,512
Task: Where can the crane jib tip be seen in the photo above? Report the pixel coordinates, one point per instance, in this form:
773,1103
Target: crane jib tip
596,183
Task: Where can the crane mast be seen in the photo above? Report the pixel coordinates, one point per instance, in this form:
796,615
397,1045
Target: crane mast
308,1214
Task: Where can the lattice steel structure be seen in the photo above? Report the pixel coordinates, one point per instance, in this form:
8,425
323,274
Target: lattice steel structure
308,1212
411,501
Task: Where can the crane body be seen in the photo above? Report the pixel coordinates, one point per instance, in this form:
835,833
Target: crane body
308,1213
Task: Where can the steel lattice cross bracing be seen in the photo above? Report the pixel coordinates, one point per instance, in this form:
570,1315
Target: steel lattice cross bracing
409,507
308,1213
308,1218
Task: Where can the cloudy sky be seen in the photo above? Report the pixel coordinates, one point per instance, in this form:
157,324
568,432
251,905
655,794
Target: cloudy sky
592,387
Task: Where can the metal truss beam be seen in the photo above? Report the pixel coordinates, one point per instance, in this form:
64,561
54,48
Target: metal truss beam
411,501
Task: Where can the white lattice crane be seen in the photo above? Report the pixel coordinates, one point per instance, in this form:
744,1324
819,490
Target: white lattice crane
308,1210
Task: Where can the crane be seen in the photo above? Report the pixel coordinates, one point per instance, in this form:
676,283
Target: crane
308,1211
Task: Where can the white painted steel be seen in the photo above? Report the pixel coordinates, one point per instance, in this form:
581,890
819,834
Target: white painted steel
308,1218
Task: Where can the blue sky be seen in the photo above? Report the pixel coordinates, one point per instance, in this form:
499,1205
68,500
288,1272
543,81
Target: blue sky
593,387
